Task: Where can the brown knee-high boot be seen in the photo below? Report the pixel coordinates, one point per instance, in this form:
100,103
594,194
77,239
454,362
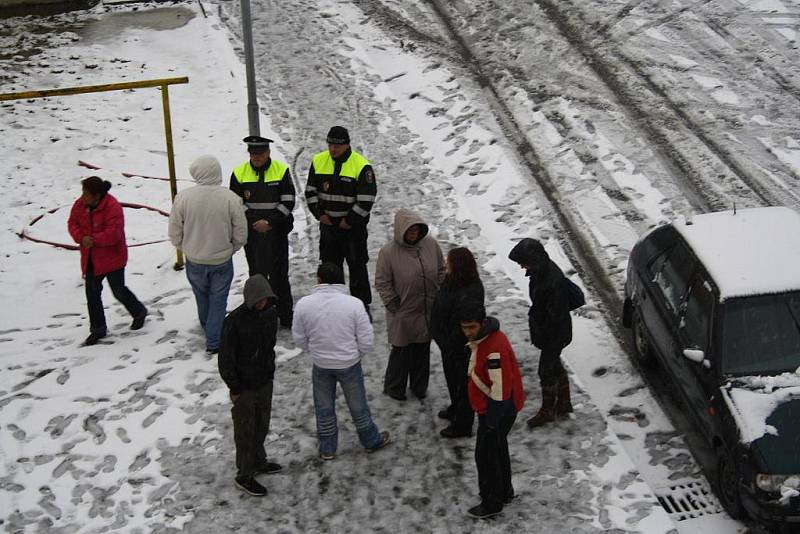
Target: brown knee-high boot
547,413
563,402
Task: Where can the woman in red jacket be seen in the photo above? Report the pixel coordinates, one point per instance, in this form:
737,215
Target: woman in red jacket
97,224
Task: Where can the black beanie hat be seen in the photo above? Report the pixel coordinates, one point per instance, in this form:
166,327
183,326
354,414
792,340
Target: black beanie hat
338,135
471,311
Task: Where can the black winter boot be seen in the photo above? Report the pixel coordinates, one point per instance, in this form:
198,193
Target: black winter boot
547,413
563,402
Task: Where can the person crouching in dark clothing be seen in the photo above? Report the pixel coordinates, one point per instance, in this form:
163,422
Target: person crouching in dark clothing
461,286
494,386
247,365
550,327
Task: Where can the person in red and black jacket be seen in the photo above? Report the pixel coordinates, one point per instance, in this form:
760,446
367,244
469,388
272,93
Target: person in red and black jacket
97,224
494,387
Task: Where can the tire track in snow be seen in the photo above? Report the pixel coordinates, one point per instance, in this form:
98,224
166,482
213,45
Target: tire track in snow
694,182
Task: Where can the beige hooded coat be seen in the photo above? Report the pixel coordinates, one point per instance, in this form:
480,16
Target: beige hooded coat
407,278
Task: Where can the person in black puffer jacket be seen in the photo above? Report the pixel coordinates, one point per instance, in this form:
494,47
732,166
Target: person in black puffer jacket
247,365
550,327
461,286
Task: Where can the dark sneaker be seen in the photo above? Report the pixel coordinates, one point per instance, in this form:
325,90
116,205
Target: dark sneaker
327,456
212,351
451,432
482,512
384,442
269,468
395,396
447,413
138,322
251,486
92,339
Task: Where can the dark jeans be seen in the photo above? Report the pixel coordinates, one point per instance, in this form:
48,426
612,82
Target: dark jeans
455,362
408,366
550,367
493,462
94,301
351,380
251,414
268,254
337,246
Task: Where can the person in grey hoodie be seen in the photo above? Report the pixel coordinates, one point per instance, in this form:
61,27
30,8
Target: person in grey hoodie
247,366
408,274
334,329
208,224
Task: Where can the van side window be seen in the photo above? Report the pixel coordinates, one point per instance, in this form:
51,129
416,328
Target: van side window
697,318
671,272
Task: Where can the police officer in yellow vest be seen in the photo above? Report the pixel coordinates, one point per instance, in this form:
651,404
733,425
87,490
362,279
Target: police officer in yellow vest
267,189
340,192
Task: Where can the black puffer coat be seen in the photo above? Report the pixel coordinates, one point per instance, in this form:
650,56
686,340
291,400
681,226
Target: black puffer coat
445,324
247,348
548,317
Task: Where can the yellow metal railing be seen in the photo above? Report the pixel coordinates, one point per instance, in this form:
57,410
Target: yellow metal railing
163,83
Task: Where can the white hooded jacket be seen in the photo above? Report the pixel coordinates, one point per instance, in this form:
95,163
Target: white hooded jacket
332,327
207,221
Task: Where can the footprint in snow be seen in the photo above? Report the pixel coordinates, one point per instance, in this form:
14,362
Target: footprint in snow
122,434
169,336
150,419
141,461
17,432
629,414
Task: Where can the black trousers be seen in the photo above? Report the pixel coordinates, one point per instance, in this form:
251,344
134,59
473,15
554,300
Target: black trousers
337,246
251,415
455,362
268,254
493,462
408,366
94,301
550,367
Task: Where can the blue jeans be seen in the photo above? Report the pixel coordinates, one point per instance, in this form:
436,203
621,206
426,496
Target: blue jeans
352,382
210,284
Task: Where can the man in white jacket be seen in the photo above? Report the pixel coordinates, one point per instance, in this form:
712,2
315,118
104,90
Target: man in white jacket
334,329
208,224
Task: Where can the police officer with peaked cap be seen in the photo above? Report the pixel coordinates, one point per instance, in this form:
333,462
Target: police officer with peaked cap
340,192
266,187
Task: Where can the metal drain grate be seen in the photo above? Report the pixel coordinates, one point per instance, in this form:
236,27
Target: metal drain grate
688,501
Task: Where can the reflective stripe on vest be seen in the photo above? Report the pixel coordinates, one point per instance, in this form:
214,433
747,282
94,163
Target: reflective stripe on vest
324,165
245,173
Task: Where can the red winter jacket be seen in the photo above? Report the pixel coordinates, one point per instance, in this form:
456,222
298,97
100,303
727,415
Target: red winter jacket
106,225
493,371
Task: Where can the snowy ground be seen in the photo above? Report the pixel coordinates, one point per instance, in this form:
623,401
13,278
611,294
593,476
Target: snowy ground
135,435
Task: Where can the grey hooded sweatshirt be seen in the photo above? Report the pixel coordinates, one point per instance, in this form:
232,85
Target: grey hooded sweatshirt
407,278
207,221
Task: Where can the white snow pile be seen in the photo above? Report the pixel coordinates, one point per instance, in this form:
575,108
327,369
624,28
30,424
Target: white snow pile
732,247
753,402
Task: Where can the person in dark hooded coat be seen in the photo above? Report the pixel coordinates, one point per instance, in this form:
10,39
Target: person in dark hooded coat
550,327
247,366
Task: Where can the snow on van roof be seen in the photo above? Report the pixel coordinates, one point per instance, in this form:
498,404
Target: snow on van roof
755,251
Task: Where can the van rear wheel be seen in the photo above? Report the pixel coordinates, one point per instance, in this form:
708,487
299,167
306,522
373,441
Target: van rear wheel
641,343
